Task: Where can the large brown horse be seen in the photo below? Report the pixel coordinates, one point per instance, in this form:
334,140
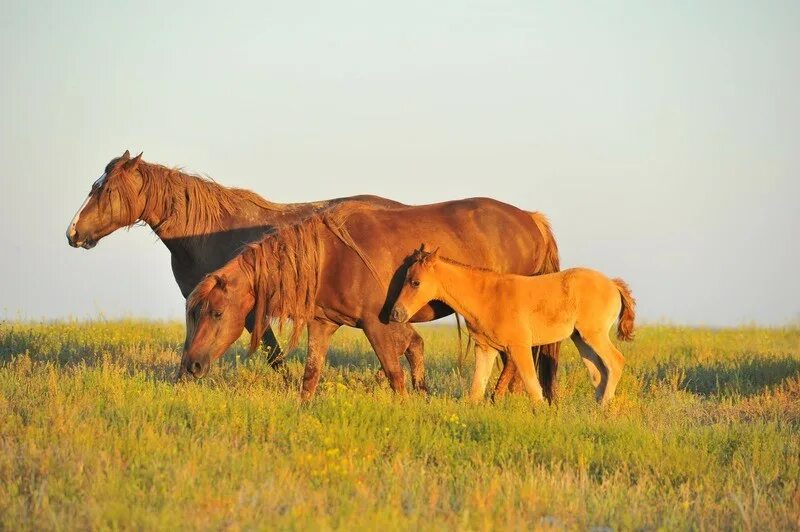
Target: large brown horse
203,224
346,267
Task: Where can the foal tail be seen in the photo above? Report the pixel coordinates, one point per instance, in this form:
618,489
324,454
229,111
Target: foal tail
627,313
546,357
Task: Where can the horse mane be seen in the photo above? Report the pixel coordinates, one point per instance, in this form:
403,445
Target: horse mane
283,270
192,204
201,291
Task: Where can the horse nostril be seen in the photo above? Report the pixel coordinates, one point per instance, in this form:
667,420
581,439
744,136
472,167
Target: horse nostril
195,368
396,315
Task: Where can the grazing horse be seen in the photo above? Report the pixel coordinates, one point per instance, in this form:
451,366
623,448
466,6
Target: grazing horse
346,267
203,224
514,313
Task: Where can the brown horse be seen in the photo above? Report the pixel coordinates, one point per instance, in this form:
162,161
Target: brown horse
346,268
514,313
203,224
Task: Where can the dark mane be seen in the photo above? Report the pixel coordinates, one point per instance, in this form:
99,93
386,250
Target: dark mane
420,256
192,204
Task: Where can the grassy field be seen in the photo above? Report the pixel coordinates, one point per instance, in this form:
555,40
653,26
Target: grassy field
704,433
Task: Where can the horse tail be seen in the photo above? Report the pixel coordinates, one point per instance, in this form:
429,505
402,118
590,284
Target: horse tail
550,261
627,313
546,357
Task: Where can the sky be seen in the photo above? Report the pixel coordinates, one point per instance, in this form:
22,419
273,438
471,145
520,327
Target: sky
662,139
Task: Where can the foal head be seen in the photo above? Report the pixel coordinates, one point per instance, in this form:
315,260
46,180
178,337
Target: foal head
215,318
114,201
420,286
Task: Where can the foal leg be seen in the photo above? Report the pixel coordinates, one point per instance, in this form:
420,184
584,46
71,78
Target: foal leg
509,378
319,339
389,341
484,363
612,360
521,355
416,360
591,361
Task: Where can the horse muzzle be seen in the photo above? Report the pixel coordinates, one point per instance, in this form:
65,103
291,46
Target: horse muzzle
192,369
398,315
76,241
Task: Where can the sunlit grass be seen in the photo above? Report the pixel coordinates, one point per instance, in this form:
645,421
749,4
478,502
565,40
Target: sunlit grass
704,434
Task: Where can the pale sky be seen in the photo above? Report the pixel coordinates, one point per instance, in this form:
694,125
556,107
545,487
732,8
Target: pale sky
661,138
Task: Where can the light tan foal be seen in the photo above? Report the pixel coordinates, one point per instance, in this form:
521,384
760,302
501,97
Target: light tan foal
514,313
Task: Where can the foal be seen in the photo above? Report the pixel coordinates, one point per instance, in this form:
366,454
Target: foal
513,313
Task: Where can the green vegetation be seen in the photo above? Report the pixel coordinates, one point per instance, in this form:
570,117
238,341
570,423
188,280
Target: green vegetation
93,434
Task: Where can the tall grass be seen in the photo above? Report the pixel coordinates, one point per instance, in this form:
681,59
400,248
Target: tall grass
704,433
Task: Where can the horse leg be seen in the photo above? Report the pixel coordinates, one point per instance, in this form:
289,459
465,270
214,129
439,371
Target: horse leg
547,367
591,361
506,375
319,339
613,361
389,341
515,384
521,356
416,360
484,363
275,355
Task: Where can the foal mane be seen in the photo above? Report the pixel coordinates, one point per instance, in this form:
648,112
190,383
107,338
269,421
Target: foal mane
420,256
191,204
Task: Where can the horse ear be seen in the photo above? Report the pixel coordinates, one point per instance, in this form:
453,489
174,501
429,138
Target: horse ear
422,247
132,164
126,156
434,255
222,281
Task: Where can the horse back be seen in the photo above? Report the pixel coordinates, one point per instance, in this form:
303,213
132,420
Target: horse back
480,232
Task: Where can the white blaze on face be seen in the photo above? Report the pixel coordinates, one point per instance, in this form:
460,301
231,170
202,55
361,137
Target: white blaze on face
74,222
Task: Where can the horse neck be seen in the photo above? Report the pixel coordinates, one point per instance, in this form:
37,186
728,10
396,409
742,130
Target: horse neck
465,290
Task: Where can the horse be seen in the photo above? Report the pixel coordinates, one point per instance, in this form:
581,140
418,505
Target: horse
202,224
346,267
515,313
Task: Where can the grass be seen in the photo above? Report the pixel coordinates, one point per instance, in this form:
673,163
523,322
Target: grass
704,434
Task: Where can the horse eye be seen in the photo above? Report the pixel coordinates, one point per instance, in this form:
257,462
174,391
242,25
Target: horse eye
415,283
217,314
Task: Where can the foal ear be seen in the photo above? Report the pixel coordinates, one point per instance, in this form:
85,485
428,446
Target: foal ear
132,164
